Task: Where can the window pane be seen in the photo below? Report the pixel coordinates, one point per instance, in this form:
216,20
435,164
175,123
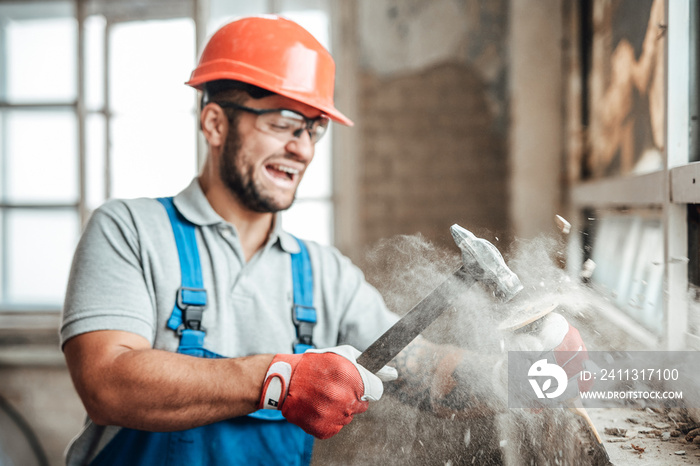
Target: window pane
313,20
3,249
152,156
41,157
317,179
310,220
95,160
149,63
311,14
225,11
39,260
41,40
628,253
94,61
153,131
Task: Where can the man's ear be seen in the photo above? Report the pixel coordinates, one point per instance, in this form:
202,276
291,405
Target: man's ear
214,124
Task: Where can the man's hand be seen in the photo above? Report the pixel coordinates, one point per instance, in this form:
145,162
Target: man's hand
451,381
321,390
554,334
558,342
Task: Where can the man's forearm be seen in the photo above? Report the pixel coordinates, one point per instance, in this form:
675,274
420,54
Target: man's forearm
155,390
162,391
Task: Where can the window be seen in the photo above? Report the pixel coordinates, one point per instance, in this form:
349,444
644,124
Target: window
628,251
632,177
78,91
152,114
39,152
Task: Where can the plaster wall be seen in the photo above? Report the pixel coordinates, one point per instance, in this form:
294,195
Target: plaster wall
536,115
432,118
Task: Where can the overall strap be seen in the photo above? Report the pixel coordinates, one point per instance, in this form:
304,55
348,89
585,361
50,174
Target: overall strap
303,310
186,318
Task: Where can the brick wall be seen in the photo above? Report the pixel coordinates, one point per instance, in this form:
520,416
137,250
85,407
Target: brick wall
431,155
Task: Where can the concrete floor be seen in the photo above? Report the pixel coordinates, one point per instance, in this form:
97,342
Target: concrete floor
645,431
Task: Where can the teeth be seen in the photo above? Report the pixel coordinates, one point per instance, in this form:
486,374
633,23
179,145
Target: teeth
284,168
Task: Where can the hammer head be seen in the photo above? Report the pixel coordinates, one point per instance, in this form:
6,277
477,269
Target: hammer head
484,262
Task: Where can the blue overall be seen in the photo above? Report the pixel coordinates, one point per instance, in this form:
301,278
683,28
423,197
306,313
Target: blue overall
261,438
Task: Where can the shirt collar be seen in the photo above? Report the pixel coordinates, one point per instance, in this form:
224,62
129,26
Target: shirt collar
286,241
194,206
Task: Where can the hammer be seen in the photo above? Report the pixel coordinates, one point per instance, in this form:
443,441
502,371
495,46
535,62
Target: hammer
481,262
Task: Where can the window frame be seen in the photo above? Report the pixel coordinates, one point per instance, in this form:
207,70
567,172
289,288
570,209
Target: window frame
35,316
670,189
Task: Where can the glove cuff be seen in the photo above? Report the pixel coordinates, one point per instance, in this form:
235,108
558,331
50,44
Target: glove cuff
276,383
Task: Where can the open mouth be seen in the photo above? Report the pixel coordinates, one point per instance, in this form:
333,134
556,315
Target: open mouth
281,172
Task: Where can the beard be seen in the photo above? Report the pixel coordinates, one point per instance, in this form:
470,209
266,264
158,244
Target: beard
240,181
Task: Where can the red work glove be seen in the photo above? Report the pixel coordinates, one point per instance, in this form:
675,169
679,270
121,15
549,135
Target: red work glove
321,390
556,336
571,354
570,351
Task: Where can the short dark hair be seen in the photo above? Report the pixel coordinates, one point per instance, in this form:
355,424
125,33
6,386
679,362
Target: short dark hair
212,88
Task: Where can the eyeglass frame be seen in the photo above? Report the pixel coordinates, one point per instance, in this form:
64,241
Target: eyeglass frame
308,122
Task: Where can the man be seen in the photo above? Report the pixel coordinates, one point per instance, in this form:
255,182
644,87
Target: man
237,291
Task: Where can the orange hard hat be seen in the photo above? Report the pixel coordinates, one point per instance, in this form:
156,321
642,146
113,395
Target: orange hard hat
273,53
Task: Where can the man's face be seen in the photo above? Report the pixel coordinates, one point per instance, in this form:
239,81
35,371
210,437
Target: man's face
261,170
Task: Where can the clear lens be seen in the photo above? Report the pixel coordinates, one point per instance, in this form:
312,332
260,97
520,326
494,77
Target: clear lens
284,124
289,124
319,129
283,121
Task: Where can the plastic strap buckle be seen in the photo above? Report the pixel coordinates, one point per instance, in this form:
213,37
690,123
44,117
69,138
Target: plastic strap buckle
304,318
192,302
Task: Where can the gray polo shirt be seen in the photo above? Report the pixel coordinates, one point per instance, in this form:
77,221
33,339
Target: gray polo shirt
126,273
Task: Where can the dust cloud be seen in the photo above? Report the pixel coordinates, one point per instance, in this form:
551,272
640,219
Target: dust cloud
407,268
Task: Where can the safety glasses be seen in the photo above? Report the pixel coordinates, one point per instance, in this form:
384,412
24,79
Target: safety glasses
282,123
